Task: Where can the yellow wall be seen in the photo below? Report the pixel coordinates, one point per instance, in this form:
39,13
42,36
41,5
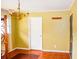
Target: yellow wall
19,29
52,38
60,39
73,10
56,33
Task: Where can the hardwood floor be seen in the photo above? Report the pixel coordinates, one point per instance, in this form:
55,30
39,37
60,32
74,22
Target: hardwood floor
36,54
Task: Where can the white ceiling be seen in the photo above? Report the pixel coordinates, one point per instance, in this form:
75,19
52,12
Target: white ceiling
37,5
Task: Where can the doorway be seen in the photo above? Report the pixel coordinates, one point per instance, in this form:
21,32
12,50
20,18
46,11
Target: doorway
35,32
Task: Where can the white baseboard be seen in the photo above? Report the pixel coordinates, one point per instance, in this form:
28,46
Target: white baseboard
61,51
